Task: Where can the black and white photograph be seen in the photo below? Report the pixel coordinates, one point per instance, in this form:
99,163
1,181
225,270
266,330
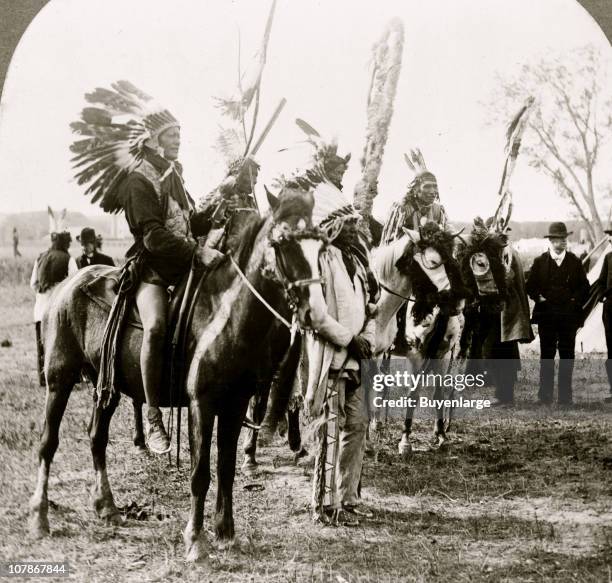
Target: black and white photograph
306,291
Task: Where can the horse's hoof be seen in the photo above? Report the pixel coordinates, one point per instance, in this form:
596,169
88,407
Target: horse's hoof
442,442
376,425
404,447
39,527
230,544
249,466
264,439
141,449
196,551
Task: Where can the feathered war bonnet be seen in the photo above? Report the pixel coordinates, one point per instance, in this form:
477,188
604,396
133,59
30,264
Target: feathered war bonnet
115,131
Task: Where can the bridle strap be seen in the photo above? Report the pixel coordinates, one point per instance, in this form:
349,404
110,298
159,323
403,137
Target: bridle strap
393,293
258,295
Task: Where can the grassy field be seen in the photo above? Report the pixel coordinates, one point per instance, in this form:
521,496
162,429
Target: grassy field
518,496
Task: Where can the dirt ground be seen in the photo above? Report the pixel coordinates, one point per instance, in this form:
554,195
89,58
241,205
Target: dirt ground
518,496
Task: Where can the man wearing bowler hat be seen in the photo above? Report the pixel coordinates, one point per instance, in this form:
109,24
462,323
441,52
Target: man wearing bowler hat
91,255
559,287
604,291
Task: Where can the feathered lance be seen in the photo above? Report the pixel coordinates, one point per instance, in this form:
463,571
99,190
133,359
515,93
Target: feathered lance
514,135
387,62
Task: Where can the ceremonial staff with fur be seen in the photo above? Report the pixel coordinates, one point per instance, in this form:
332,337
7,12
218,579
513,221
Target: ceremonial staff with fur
387,62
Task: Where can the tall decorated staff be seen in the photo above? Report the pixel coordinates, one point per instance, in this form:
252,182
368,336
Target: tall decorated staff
236,140
387,62
514,135
497,319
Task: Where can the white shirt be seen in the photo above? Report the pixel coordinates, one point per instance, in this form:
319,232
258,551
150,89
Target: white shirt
558,259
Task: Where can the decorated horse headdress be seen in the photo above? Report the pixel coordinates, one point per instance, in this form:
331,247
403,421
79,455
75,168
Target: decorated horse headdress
114,132
434,273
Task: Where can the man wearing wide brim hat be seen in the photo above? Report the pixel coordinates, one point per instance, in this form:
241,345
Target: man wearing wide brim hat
603,289
91,255
559,287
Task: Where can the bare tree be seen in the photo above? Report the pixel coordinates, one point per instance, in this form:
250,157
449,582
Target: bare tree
569,126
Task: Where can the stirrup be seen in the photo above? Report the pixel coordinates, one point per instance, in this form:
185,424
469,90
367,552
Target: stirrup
250,424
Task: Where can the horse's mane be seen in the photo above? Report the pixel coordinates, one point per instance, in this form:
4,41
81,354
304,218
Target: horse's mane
385,257
245,237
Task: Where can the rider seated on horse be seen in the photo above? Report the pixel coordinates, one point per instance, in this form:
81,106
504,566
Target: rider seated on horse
128,150
164,228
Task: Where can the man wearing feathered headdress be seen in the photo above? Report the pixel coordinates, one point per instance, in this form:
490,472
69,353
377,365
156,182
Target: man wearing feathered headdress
129,157
420,205
345,335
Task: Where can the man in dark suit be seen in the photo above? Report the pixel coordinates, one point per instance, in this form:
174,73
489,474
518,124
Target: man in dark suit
559,287
91,255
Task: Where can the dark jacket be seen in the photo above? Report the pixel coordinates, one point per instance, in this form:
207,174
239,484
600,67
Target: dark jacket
565,288
52,267
96,259
169,255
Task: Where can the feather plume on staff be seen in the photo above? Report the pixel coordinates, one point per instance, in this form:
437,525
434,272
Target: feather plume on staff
387,63
514,135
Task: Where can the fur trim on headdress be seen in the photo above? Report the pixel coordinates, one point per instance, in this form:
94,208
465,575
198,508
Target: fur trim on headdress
491,243
123,122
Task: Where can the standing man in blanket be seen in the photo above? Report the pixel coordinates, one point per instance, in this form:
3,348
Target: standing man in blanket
346,335
50,268
559,287
144,178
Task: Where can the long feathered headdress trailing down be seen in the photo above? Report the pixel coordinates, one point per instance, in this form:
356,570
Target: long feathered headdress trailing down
113,132
514,135
387,62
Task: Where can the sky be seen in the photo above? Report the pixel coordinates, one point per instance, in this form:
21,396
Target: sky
185,53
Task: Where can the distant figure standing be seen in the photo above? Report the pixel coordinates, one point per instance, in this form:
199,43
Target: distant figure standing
91,255
559,287
16,252
50,268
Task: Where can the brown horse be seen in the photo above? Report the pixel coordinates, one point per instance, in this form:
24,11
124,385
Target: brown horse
233,343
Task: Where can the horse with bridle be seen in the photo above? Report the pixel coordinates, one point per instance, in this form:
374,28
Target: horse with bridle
419,269
269,278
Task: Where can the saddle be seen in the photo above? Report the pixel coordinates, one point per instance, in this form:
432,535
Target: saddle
102,290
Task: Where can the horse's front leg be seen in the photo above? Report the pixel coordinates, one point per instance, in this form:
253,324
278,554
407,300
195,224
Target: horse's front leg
440,429
404,446
228,431
103,502
202,417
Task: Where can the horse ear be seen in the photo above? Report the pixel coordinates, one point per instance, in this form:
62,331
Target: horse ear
272,200
412,235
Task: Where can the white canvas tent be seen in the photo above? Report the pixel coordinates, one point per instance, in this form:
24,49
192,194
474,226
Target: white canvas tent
591,337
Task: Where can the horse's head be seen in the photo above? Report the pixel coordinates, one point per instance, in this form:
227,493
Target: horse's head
427,263
296,246
419,266
485,259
